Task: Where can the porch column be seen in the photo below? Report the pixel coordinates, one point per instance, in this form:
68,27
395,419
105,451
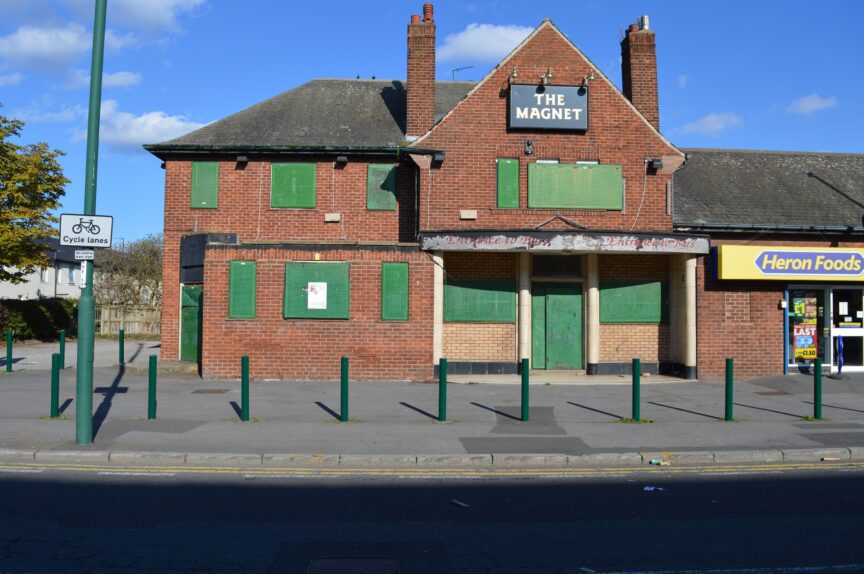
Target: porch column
437,307
593,286
524,306
690,317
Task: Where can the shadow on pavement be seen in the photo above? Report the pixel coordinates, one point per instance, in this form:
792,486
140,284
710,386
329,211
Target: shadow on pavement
105,406
328,410
593,410
768,410
419,410
496,411
684,410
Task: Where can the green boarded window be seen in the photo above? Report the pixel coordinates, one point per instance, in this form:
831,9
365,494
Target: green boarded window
205,185
480,301
394,291
292,185
316,291
241,290
575,186
642,302
508,183
381,187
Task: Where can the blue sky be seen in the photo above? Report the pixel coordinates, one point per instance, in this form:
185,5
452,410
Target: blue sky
766,74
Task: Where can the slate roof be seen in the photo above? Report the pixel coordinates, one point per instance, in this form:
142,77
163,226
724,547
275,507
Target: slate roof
57,252
786,191
320,114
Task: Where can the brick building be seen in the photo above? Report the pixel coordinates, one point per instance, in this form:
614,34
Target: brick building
529,215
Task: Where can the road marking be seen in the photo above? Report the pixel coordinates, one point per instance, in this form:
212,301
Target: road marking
122,473
21,470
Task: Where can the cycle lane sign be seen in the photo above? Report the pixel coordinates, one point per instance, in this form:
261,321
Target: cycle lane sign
77,230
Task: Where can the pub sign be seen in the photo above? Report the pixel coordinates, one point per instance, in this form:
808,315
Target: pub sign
548,107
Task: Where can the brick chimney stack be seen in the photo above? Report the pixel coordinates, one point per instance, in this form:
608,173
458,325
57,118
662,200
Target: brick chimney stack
421,74
639,70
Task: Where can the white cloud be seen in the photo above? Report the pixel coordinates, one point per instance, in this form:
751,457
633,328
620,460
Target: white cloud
53,48
81,78
712,124
11,79
145,15
38,114
682,80
122,130
482,42
812,103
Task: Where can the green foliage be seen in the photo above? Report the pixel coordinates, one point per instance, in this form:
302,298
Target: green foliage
38,318
31,184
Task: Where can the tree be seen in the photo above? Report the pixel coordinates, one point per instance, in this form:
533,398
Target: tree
130,276
31,185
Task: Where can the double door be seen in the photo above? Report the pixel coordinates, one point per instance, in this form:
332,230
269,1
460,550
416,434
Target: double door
827,323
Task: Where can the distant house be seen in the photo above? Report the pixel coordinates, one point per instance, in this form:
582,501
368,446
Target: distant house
60,279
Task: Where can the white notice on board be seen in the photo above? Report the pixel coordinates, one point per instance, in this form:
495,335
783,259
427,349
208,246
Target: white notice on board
317,296
844,308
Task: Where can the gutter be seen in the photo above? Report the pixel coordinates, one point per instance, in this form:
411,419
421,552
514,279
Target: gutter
162,151
783,228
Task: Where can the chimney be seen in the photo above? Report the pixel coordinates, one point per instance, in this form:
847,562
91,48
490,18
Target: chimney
639,70
421,74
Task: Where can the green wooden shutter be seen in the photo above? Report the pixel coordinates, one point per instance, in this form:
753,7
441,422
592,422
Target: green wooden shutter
241,290
300,304
575,186
480,301
646,302
381,187
292,185
205,185
394,291
508,183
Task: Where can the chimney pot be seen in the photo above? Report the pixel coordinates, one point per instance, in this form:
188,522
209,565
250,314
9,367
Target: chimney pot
427,12
634,27
415,18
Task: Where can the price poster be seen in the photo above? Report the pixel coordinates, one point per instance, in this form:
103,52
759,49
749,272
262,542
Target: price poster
804,327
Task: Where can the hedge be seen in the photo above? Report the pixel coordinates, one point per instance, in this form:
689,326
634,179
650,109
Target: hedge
38,318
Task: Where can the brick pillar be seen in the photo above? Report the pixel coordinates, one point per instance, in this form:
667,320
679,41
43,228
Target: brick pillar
639,70
421,74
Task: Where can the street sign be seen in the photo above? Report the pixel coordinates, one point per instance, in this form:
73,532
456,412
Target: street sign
83,255
78,230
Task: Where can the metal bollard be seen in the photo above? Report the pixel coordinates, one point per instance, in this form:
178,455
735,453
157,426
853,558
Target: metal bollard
122,341
442,391
151,389
637,371
817,390
730,365
55,385
62,348
9,351
525,397
343,408
244,388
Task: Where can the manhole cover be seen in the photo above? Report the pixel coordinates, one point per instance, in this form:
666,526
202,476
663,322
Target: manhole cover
209,391
771,393
354,566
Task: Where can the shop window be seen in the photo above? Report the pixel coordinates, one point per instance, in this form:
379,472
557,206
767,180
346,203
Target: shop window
241,290
508,183
394,291
480,301
634,302
292,185
205,185
575,186
316,290
381,187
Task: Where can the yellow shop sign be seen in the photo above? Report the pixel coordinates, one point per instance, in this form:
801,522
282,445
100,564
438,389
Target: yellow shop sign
789,263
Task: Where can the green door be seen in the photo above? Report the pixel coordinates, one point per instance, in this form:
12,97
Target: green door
556,319
190,322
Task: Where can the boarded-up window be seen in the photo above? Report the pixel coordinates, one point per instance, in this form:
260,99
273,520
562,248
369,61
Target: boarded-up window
205,184
643,302
292,185
241,290
394,291
575,186
508,183
381,187
316,291
480,301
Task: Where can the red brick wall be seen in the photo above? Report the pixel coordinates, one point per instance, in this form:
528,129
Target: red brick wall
421,76
639,72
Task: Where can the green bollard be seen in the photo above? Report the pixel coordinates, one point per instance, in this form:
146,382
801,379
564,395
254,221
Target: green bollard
55,385
63,349
442,391
9,351
730,365
122,355
344,386
244,388
525,396
151,389
817,390
637,371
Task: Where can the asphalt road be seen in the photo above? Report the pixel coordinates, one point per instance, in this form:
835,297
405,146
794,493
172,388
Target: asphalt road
73,521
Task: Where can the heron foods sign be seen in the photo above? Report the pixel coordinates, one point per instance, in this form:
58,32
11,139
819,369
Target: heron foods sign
789,263
548,107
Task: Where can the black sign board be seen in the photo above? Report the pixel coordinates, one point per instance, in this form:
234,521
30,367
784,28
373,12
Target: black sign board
549,107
